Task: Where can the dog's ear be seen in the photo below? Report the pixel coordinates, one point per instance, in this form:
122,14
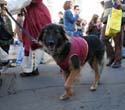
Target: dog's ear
62,31
40,37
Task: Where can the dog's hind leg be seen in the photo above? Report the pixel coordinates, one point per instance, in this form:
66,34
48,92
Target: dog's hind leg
94,65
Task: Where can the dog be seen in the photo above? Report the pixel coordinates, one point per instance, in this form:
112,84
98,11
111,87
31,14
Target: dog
72,53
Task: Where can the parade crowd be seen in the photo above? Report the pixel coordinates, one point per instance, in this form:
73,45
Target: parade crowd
36,15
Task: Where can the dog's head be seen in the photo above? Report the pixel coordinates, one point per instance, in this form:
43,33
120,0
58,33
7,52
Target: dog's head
52,36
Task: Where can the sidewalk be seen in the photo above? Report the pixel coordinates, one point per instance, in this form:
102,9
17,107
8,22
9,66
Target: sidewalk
42,92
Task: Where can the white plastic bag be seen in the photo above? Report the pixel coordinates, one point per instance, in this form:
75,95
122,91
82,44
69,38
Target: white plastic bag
3,55
14,6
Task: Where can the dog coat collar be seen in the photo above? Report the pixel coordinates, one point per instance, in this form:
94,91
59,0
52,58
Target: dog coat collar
78,47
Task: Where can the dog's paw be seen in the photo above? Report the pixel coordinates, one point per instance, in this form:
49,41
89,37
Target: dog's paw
93,88
66,96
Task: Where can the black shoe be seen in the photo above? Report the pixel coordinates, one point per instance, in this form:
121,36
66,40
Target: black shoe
110,62
116,65
123,57
33,73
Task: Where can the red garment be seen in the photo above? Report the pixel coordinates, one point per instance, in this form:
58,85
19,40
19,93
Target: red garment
36,17
78,47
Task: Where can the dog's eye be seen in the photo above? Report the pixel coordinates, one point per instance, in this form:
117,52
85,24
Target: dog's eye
45,32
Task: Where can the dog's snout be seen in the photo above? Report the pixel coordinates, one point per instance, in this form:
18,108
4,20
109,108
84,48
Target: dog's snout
51,42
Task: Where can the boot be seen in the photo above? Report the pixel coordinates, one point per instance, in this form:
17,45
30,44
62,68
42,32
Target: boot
111,60
116,65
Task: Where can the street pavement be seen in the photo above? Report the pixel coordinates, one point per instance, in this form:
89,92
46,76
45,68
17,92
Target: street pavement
42,92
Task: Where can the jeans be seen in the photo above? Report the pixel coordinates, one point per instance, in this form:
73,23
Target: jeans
20,55
70,33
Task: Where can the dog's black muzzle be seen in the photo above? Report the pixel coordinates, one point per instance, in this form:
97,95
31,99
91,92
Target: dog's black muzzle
51,43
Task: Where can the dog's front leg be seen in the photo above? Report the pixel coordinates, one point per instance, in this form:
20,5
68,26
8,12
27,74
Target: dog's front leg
70,77
68,86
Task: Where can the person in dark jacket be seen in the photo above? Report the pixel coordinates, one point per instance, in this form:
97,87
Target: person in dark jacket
114,54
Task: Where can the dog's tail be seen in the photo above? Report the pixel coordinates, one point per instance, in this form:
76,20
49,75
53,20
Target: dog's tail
97,47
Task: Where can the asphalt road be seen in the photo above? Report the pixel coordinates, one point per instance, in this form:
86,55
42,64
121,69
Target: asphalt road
42,92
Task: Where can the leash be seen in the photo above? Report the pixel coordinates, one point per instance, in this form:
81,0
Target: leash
21,27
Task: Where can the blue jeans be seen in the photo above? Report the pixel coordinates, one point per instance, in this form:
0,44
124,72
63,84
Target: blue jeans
20,55
78,33
70,33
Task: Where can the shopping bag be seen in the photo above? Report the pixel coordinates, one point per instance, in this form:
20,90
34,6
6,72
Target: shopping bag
114,23
3,55
15,6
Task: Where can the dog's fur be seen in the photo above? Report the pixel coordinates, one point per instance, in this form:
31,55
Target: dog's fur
55,39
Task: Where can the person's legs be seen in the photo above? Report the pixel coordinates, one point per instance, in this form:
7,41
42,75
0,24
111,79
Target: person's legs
118,50
108,43
30,63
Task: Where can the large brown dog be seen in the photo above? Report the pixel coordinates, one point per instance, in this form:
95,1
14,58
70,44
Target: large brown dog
72,53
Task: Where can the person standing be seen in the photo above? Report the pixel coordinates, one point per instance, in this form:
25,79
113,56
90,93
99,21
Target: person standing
113,54
37,16
60,14
79,23
6,34
69,18
94,26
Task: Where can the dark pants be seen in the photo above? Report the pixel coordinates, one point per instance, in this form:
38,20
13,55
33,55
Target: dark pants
116,51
